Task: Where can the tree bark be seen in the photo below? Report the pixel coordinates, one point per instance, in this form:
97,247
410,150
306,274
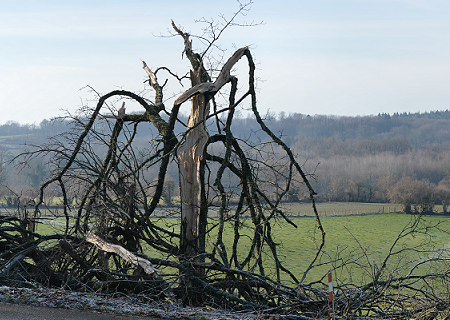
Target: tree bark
190,156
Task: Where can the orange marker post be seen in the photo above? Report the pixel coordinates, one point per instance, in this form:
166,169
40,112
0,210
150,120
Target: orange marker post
330,286
330,290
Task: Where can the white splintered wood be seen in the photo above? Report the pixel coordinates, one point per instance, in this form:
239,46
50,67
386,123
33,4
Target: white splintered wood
123,253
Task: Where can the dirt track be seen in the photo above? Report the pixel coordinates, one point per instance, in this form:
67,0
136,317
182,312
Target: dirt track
10,311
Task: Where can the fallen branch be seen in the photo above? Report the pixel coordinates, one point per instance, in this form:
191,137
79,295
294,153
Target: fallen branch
13,262
124,254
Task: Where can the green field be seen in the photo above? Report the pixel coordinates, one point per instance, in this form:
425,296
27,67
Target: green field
347,238
353,233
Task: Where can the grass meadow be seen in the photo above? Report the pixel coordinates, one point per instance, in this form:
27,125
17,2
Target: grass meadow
361,233
364,239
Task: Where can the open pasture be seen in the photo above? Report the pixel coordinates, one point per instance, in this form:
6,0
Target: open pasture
364,240
354,232
360,242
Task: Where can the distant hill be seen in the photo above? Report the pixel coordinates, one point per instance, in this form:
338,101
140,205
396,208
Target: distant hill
362,134
397,133
352,158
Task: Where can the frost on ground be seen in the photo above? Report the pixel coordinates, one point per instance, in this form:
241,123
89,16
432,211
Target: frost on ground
114,304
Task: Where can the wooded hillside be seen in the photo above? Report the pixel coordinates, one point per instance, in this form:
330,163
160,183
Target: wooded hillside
352,158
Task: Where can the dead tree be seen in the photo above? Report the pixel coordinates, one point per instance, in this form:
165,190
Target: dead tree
118,237
106,177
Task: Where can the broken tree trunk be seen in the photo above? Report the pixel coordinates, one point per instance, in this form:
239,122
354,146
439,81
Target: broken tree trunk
191,167
190,157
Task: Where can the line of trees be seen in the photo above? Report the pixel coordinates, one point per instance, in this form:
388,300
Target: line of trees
373,153
371,178
399,133
363,168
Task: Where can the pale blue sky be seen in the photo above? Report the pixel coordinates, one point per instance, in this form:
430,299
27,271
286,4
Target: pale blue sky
340,57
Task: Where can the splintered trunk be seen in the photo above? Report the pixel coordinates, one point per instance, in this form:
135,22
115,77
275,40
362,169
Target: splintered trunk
191,166
191,170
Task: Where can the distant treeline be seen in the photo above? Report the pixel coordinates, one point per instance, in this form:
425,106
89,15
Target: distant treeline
370,158
350,158
398,133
